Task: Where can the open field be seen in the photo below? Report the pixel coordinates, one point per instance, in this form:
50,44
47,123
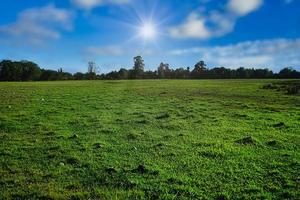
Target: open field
218,139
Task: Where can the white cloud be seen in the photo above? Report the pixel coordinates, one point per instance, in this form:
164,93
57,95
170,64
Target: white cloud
275,53
37,24
244,7
194,27
216,23
90,4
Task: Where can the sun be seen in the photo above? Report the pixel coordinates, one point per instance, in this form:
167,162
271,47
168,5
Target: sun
148,31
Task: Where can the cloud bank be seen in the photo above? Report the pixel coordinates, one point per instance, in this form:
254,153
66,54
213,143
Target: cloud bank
276,53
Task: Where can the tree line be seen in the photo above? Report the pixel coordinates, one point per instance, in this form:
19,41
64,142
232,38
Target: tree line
30,71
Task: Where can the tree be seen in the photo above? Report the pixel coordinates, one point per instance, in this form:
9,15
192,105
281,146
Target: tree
92,71
92,67
123,73
289,72
163,70
138,67
219,73
30,71
79,76
9,71
150,75
49,75
199,70
19,71
181,73
263,73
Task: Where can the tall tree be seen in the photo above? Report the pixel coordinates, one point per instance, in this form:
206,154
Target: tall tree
138,67
92,71
199,70
163,71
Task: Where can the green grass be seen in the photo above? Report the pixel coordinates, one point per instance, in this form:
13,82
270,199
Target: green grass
166,139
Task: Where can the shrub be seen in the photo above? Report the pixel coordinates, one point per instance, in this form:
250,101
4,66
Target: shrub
293,89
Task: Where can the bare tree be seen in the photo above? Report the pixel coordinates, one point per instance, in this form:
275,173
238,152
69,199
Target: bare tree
92,68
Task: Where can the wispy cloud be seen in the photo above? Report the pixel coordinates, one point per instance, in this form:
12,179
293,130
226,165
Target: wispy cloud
35,25
115,51
216,23
104,51
275,53
90,4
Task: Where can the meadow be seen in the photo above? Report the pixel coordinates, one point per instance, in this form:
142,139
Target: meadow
149,139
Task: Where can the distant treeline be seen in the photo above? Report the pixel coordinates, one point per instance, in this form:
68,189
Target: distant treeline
30,71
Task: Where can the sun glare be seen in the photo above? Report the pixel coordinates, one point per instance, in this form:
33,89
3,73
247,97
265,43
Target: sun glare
148,31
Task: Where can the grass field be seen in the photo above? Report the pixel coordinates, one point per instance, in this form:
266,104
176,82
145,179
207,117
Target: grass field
166,139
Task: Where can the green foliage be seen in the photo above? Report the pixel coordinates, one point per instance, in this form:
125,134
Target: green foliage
29,71
19,71
288,72
138,67
164,139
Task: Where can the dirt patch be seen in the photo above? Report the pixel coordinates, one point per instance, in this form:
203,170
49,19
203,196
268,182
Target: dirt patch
111,170
143,121
273,143
72,161
212,155
142,169
279,125
249,140
97,145
163,116
134,136
74,136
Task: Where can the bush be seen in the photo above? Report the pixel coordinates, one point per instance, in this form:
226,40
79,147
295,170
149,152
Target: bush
293,89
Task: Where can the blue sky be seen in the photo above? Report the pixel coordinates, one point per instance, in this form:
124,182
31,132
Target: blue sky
230,33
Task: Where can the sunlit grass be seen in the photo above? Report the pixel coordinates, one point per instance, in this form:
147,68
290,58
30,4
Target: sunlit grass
226,139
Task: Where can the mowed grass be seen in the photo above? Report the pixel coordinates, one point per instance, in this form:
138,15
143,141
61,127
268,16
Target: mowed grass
218,139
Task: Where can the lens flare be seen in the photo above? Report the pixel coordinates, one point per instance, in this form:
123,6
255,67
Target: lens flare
148,31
